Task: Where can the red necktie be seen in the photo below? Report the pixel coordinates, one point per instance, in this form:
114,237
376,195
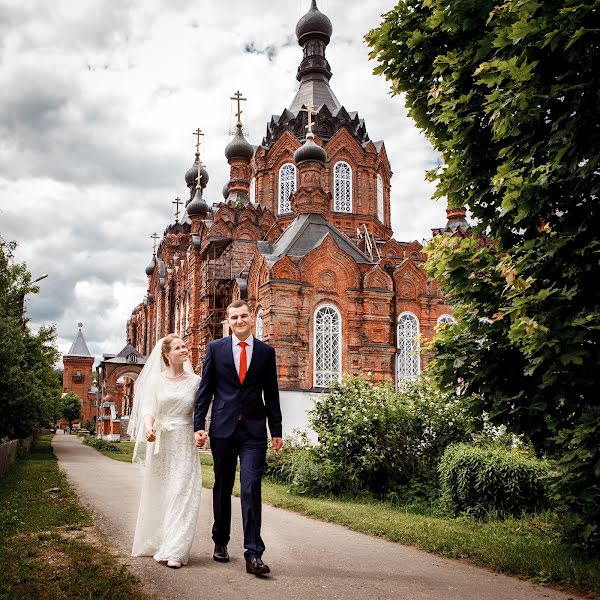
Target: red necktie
243,364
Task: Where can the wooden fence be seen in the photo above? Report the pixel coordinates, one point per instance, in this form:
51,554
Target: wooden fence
8,453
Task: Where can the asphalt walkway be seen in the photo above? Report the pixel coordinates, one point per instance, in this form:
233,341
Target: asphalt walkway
309,559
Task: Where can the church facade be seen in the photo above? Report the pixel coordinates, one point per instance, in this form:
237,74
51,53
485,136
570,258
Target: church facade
304,235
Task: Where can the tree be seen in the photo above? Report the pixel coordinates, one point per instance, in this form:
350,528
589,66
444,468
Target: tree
508,94
29,390
71,408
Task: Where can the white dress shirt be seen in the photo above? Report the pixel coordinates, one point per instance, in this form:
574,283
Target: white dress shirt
237,349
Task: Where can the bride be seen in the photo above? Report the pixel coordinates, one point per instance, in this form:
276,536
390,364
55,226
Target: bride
161,424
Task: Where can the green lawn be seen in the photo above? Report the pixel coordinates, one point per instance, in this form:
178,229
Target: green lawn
528,548
46,547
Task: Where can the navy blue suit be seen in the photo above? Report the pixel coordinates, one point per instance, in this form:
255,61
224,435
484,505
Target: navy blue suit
238,427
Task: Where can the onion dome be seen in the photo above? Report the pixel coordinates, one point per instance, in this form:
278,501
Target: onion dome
314,23
197,207
150,267
239,147
226,190
191,175
310,151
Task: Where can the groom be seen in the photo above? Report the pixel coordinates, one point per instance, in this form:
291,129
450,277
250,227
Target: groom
239,372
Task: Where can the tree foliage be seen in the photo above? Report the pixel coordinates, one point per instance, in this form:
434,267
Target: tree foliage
71,407
508,94
29,390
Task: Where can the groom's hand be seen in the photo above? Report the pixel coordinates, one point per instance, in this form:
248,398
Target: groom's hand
200,438
277,444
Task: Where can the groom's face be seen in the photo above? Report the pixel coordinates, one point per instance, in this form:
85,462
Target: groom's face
240,321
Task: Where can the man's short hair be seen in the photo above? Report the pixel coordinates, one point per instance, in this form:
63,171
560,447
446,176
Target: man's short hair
237,304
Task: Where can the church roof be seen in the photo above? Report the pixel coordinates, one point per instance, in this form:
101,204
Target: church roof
305,233
128,355
316,92
79,347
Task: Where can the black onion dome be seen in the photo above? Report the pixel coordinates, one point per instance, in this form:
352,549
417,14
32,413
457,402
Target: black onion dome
310,151
239,147
314,22
197,207
226,191
150,267
191,175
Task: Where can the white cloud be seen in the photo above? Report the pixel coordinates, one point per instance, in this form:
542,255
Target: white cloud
99,104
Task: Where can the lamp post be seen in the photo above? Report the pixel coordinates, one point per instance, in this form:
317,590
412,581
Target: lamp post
22,296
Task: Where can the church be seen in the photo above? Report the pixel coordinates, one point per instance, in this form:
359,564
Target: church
304,235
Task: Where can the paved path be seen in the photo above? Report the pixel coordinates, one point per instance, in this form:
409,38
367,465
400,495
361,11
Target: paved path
309,559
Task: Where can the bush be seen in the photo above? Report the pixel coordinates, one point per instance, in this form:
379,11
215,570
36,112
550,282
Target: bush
499,481
282,466
377,441
99,444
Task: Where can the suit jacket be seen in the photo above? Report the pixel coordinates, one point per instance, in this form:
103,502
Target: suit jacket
231,399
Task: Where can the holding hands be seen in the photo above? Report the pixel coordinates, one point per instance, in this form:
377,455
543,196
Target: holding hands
200,438
150,434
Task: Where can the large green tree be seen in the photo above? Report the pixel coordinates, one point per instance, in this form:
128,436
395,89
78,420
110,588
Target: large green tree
29,388
71,408
508,94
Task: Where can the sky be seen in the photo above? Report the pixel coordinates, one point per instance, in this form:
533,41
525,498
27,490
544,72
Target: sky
99,102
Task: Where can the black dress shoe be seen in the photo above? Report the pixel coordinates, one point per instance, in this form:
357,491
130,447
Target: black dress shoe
255,566
220,553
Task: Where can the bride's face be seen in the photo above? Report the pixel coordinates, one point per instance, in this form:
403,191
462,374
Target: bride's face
178,353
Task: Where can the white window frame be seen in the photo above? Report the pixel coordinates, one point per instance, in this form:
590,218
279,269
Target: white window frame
323,377
286,187
259,325
449,319
253,189
342,204
409,357
380,198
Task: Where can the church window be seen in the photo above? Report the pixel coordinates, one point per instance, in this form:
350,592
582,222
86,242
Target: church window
380,198
446,319
327,346
408,347
342,186
253,189
287,185
259,326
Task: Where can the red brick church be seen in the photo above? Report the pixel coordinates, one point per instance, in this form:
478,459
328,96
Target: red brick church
304,235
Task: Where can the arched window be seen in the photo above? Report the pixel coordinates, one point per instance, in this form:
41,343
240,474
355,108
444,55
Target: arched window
253,189
258,326
380,198
327,346
342,187
408,347
446,319
287,185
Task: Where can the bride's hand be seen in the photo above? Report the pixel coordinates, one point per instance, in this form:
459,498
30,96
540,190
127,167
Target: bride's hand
150,435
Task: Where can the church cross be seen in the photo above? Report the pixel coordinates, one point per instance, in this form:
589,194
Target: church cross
310,109
154,237
200,165
238,98
198,134
177,202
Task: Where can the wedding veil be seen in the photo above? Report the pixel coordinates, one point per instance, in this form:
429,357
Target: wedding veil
143,399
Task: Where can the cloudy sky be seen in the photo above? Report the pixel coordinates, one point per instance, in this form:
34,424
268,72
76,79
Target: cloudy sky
99,102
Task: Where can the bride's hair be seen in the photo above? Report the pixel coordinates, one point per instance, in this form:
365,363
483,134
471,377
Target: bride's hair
166,346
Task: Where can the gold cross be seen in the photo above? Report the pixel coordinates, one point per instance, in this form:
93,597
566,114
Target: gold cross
154,237
238,97
198,133
310,109
177,202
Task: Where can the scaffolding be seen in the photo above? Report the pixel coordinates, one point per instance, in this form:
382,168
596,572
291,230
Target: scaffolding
216,287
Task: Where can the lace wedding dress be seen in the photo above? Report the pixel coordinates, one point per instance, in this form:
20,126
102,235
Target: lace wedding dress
172,484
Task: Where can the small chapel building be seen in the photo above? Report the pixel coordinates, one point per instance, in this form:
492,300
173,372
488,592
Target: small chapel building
304,235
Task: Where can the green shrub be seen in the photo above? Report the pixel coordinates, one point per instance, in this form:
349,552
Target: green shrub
499,481
99,444
377,441
282,466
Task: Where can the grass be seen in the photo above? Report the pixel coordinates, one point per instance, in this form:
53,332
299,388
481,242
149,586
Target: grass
47,546
528,548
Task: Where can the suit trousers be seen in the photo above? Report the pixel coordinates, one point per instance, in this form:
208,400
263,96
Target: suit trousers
252,453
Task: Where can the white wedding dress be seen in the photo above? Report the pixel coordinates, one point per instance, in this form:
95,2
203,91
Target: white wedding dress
170,499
